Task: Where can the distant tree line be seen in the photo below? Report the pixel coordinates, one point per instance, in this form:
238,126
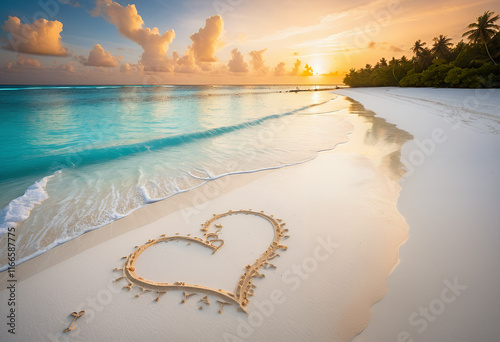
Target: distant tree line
465,65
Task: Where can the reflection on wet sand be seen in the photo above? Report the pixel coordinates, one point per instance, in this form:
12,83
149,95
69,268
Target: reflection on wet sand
377,139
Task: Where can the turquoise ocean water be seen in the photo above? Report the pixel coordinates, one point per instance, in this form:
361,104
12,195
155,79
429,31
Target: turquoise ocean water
74,158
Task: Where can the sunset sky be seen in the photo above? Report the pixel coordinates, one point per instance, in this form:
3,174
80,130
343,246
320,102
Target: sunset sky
221,41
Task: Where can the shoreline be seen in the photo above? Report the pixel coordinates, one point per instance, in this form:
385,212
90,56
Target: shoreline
199,195
63,214
354,182
138,218
449,198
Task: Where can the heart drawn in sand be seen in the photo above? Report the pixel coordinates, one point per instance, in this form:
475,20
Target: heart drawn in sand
244,288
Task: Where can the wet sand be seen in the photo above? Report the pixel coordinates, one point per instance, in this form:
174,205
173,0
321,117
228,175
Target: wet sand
345,233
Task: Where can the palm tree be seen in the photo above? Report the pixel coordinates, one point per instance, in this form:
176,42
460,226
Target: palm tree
459,47
442,46
425,58
394,63
420,52
483,30
418,47
423,54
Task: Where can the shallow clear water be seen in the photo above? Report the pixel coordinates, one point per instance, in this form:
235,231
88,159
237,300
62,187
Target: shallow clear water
76,158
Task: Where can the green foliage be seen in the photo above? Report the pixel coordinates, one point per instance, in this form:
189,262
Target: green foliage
412,79
434,75
488,75
465,65
383,74
468,56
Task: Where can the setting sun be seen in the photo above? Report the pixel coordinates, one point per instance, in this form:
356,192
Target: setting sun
113,42
320,66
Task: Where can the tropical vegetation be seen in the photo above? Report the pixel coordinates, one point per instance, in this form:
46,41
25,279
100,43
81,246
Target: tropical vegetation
471,64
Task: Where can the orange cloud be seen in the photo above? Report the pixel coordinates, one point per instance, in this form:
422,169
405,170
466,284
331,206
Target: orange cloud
41,38
125,68
237,63
384,46
280,69
333,74
257,61
130,24
186,63
308,71
199,56
129,68
66,67
23,61
207,39
100,58
296,68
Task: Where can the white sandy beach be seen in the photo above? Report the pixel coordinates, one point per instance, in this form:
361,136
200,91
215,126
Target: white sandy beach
345,230
450,199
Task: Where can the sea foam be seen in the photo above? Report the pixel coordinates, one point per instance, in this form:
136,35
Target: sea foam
19,209
150,153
